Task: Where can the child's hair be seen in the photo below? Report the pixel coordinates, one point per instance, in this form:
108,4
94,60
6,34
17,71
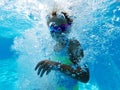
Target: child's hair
54,13
69,20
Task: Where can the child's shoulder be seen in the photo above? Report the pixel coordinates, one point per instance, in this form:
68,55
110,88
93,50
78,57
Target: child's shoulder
74,42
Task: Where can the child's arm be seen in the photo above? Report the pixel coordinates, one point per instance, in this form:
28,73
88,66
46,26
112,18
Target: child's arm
76,53
75,71
78,73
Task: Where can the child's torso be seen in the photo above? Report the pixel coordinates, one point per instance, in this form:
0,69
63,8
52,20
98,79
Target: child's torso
62,80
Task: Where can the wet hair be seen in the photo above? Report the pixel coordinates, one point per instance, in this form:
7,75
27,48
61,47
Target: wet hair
54,13
69,20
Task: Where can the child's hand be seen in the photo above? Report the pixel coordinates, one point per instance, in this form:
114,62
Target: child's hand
45,66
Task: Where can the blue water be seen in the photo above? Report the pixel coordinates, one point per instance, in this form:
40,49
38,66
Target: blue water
23,36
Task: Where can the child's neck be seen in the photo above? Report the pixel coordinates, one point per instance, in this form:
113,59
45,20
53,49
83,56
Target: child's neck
63,42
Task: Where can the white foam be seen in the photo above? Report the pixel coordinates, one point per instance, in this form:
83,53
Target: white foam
35,44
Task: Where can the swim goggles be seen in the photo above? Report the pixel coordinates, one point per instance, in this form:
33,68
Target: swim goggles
58,28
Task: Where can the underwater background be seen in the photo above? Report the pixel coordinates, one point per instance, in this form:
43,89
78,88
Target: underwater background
25,40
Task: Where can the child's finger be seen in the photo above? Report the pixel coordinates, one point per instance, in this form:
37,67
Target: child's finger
39,65
42,72
48,71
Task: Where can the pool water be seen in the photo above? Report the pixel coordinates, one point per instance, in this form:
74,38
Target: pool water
25,40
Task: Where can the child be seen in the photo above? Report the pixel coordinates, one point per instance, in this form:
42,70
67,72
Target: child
68,51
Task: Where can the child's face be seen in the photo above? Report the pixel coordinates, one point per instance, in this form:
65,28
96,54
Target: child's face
58,36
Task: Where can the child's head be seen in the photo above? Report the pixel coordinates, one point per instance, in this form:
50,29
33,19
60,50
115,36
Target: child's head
59,24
